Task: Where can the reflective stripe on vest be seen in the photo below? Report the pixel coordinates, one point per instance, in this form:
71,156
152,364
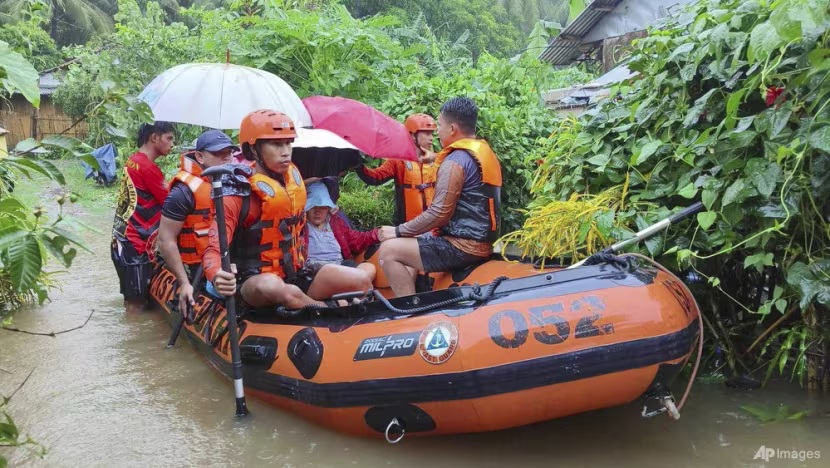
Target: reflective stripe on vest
477,215
274,243
418,184
193,237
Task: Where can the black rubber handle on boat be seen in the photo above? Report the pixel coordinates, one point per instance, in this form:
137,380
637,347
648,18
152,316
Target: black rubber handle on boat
186,315
230,301
217,171
686,213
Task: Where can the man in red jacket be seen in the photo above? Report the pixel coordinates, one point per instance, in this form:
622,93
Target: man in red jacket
138,212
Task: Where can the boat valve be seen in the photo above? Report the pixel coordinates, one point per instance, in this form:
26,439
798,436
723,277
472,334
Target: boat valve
665,405
394,424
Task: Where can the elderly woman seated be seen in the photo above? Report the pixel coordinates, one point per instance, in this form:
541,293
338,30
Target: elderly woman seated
328,236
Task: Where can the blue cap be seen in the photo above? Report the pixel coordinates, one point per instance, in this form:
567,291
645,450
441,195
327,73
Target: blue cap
318,195
214,140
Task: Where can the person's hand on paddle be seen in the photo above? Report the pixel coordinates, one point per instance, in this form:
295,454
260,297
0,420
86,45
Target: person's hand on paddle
386,232
186,297
224,282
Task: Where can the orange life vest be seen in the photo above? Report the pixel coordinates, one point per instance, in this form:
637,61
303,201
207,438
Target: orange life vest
418,184
477,215
273,244
193,238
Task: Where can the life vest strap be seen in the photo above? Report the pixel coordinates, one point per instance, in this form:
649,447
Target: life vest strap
420,187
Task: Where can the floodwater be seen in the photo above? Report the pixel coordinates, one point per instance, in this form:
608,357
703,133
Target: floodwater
112,394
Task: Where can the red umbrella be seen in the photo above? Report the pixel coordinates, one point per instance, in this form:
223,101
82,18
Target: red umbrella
367,128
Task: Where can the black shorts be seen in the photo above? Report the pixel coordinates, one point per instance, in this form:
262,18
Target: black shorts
134,270
438,254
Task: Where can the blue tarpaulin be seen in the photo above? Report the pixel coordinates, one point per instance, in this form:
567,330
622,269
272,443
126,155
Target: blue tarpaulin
105,174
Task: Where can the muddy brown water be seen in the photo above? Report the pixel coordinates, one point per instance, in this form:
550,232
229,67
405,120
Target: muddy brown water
112,394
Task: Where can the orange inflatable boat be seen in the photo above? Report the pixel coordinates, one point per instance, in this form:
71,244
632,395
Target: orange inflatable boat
476,352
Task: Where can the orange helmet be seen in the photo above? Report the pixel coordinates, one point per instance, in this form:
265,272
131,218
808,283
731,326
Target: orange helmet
266,125
420,122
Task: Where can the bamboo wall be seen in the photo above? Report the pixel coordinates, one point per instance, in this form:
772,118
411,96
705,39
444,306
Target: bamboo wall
19,117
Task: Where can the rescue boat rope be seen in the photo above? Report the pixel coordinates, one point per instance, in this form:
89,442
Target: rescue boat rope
699,320
472,296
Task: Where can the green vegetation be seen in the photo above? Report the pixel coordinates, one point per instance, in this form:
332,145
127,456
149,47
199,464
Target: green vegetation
730,108
366,206
397,68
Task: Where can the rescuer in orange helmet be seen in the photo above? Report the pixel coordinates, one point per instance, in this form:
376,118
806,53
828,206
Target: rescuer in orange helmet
267,228
414,181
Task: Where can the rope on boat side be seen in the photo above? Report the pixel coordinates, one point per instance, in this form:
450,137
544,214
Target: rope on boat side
699,319
472,296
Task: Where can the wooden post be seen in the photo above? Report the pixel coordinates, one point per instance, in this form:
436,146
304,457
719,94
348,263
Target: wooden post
35,118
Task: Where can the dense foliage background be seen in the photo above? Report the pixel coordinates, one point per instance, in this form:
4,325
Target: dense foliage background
730,107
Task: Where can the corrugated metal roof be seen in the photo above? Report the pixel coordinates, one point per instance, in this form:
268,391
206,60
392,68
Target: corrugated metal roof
565,47
48,83
606,18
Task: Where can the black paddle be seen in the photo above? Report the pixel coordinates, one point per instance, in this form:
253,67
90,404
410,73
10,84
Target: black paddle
649,231
186,314
216,173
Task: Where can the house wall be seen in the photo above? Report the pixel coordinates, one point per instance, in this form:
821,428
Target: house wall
616,49
632,15
19,117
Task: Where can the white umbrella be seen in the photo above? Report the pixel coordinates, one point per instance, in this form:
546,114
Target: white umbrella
320,138
219,95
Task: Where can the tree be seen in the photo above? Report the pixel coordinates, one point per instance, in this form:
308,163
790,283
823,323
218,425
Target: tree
70,21
479,24
29,40
527,13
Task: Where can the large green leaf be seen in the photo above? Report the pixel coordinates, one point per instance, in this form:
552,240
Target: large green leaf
708,197
762,41
706,219
26,145
18,75
8,431
784,21
69,144
56,245
811,281
820,139
69,236
13,207
24,262
780,118
646,151
44,167
733,192
700,105
10,234
764,175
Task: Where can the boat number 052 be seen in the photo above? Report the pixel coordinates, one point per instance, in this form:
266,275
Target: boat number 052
554,328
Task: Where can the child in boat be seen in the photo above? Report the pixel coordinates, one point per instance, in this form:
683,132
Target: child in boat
328,237
267,224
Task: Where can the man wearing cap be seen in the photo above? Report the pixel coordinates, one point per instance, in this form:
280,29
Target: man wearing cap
328,237
188,210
